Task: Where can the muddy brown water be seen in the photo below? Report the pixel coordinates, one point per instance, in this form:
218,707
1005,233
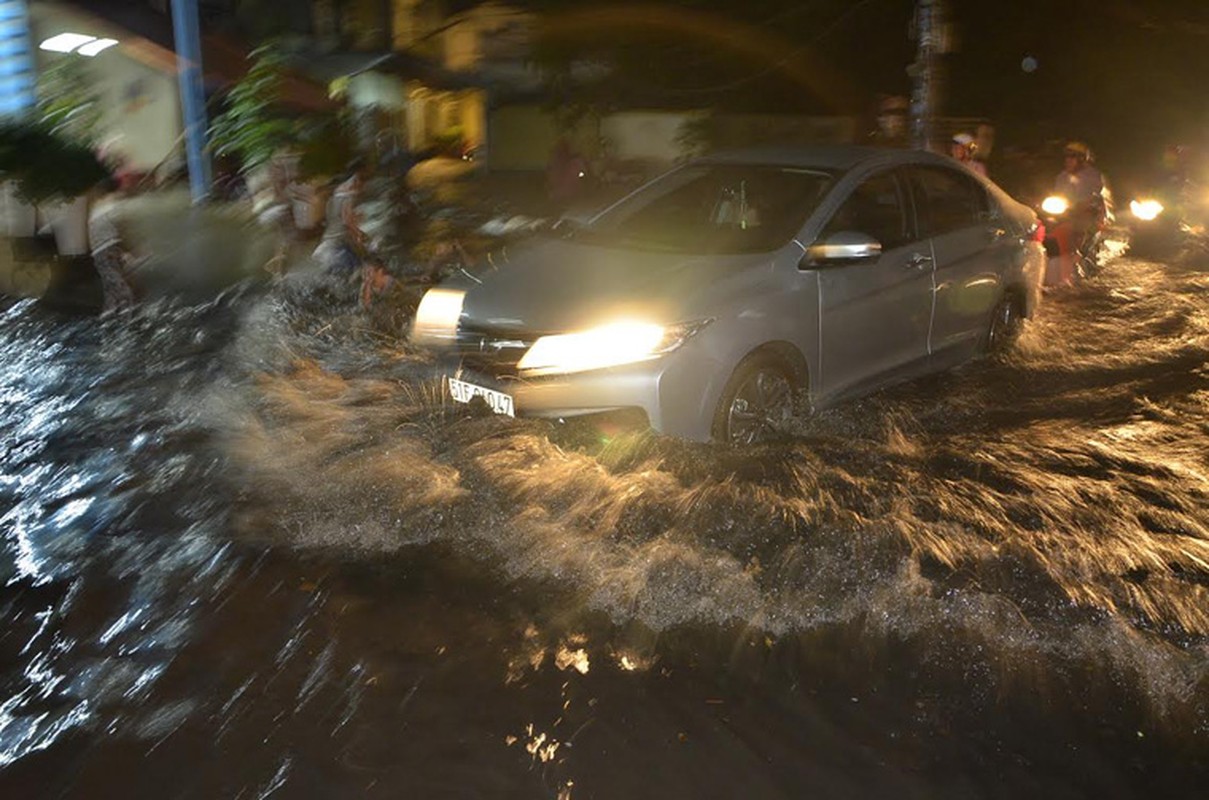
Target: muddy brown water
249,552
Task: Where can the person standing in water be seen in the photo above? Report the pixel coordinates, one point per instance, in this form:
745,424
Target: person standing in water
110,255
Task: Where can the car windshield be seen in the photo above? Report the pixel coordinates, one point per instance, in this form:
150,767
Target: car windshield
713,208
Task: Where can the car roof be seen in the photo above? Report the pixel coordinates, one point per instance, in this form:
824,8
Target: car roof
823,156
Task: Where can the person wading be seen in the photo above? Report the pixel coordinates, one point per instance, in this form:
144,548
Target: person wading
110,255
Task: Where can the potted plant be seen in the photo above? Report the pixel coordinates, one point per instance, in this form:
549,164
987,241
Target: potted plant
20,216
65,167
55,172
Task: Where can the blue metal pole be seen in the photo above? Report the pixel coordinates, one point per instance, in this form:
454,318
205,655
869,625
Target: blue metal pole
16,60
187,32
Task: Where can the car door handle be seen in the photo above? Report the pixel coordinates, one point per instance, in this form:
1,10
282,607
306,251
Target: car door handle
918,261
997,234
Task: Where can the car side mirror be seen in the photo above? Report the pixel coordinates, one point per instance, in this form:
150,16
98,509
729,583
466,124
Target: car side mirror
841,248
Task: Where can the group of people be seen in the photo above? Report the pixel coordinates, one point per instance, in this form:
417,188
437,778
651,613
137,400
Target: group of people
1079,183
344,250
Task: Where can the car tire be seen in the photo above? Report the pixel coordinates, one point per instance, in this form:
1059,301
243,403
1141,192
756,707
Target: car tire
1007,323
758,402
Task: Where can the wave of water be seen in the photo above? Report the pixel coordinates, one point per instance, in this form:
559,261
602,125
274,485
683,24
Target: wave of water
1056,504
1043,522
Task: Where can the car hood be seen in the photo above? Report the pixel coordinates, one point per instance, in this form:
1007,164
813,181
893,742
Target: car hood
563,286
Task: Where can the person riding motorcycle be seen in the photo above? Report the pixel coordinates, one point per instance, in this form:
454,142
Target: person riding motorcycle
1082,185
962,148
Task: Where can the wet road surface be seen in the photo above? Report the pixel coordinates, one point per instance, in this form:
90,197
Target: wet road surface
248,552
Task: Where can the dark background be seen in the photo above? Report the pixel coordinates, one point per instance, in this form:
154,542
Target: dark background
1128,76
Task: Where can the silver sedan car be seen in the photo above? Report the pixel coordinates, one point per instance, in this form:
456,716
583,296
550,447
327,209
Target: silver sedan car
735,291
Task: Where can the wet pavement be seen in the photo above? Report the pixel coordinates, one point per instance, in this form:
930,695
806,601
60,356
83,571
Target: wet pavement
249,552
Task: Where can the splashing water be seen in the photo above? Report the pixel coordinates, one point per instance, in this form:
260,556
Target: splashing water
220,519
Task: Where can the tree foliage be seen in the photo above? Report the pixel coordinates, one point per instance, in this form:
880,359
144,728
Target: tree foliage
46,163
253,125
68,100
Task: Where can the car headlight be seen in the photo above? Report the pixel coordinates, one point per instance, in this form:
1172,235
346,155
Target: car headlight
1054,205
1145,210
606,346
437,317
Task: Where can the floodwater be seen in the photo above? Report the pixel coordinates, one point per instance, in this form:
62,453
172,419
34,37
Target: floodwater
247,552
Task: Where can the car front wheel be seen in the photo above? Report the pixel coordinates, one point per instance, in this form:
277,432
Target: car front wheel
1005,328
758,402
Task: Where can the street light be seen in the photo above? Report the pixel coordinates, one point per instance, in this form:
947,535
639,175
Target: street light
96,46
78,43
66,42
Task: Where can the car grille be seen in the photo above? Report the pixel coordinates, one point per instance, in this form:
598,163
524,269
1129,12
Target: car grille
491,351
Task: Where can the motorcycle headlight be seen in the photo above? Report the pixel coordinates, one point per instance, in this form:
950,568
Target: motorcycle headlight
606,346
1145,210
437,316
1054,205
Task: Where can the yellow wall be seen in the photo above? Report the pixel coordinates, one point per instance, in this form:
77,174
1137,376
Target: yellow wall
473,107
413,20
489,31
142,116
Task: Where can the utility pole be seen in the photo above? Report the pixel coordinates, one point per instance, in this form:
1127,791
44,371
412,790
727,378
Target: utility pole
187,33
931,38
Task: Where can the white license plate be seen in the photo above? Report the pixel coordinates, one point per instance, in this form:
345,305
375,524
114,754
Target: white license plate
463,392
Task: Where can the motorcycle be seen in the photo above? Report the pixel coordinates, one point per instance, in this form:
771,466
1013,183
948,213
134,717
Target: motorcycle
1089,254
1168,219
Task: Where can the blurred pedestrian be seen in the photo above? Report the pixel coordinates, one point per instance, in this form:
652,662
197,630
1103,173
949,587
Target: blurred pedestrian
345,246
962,148
448,256
270,188
394,159
375,282
110,254
892,116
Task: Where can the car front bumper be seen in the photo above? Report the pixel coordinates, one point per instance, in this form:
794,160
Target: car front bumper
673,391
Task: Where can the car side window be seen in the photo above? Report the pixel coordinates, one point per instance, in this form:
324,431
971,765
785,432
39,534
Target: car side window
876,208
948,200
